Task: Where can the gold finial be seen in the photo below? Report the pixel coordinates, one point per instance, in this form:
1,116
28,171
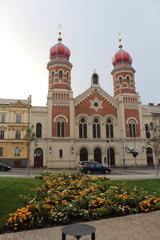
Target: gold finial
120,40
59,33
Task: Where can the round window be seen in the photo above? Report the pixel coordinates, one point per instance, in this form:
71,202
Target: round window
96,104
109,120
82,120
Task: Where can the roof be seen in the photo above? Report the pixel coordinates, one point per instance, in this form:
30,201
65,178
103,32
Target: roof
13,101
153,108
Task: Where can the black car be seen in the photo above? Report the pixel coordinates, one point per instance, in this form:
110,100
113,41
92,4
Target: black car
4,167
93,167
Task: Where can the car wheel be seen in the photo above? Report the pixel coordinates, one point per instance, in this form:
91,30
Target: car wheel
3,169
104,172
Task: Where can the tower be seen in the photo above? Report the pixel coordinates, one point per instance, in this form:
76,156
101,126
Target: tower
59,69
59,102
123,72
129,106
59,89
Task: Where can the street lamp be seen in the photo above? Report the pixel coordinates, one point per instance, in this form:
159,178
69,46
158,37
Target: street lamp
123,154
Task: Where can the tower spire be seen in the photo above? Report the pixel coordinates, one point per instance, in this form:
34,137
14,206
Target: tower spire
59,37
120,41
59,33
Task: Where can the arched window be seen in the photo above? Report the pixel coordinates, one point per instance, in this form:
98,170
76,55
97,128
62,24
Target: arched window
111,156
97,155
109,129
83,154
52,76
149,155
95,78
120,82
128,81
67,76
38,158
82,128
132,128
60,75
147,131
96,128
38,130
60,127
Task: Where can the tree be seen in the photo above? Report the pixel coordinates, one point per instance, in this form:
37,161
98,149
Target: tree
30,137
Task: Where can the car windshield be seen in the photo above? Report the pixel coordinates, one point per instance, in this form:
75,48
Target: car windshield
97,165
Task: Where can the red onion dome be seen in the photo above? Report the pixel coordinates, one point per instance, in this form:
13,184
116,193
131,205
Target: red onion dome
121,57
59,50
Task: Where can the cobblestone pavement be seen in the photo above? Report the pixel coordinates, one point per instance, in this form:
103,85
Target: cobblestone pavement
133,227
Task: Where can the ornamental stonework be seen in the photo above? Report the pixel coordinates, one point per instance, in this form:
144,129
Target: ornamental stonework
96,104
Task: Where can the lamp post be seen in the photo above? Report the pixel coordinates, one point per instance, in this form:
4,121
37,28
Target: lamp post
123,154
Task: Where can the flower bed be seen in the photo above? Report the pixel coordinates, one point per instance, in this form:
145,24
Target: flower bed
66,198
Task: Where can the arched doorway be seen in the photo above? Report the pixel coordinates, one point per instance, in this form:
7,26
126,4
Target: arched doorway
97,155
83,154
149,155
38,158
111,157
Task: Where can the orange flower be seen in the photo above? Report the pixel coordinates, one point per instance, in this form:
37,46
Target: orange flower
64,202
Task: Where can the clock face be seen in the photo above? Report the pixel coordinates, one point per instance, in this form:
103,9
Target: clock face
96,104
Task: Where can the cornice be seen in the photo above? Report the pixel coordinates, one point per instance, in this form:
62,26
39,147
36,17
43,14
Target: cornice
59,61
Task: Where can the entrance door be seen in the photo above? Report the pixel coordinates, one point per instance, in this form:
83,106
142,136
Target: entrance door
149,155
111,157
83,154
38,158
97,155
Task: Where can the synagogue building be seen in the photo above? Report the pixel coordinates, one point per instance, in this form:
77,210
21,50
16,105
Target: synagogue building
117,131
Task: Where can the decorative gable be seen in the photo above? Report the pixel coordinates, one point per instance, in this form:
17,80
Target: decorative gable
95,102
19,104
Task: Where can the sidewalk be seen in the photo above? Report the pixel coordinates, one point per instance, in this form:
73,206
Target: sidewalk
133,227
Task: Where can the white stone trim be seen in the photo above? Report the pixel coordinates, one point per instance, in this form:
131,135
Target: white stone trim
60,116
131,118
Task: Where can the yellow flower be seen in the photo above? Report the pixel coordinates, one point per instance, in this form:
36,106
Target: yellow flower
83,192
64,202
123,196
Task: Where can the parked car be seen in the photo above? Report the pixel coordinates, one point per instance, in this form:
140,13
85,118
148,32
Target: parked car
92,167
4,167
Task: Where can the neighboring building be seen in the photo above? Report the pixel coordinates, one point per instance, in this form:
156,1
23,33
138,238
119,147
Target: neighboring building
14,121
94,125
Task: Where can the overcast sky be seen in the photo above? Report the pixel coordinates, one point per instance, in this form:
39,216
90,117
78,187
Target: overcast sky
90,28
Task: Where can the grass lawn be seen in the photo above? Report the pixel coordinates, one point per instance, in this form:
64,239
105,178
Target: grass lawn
12,188
149,185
